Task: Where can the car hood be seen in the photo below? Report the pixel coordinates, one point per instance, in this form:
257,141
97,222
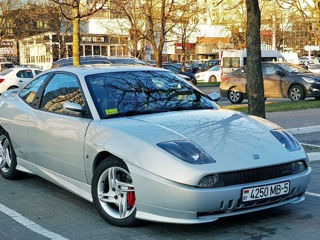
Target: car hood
231,138
311,74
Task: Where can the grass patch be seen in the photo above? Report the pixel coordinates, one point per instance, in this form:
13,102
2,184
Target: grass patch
281,106
208,84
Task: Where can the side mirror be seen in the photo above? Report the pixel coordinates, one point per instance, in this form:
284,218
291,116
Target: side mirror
214,96
73,108
280,73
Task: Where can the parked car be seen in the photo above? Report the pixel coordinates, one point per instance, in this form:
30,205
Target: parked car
315,68
16,77
187,67
143,144
281,80
64,62
213,74
198,67
5,65
186,75
94,60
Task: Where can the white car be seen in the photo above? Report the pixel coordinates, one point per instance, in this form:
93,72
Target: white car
315,68
16,77
213,74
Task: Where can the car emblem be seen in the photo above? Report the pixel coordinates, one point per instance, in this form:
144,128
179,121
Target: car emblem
256,156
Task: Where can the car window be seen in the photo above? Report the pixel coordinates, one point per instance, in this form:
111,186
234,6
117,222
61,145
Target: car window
61,89
29,92
231,62
5,72
129,93
268,70
25,74
216,68
37,71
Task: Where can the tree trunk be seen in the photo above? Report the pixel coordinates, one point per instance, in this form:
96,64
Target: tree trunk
76,38
255,88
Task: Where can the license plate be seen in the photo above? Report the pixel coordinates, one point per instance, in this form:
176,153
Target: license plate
266,191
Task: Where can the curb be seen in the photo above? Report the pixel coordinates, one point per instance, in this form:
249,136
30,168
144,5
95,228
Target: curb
314,156
304,130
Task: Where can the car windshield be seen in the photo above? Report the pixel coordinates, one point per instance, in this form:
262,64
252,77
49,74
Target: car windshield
314,66
171,68
216,68
292,68
5,72
126,61
142,92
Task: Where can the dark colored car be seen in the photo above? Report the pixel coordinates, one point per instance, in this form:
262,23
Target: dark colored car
198,67
178,71
98,60
186,67
281,80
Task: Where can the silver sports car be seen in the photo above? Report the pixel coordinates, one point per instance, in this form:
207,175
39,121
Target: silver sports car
141,143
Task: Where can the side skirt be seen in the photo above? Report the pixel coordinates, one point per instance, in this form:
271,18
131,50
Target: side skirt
79,188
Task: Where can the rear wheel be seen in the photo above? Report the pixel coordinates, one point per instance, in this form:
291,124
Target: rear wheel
113,193
212,79
297,93
8,159
235,96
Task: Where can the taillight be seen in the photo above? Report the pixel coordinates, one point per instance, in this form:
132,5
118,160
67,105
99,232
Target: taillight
1,80
224,79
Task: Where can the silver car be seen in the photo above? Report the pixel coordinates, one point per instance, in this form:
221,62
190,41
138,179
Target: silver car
142,143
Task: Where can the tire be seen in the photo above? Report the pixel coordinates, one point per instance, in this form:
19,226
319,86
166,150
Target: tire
12,87
212,79
297,93
235,96
8,159
317,98
111,204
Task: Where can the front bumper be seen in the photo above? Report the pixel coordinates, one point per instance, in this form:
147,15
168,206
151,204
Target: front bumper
313,90
162,200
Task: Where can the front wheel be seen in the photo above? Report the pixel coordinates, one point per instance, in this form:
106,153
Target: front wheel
212,79
235,96
297,93
8,159
113,193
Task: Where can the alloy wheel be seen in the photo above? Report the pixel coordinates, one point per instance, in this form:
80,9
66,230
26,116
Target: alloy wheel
295,94
116,192
5,154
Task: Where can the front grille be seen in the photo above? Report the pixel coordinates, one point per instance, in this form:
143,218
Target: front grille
257,174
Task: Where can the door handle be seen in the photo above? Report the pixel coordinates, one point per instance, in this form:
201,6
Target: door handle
20,81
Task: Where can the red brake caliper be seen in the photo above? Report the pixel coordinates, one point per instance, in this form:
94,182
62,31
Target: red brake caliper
131,198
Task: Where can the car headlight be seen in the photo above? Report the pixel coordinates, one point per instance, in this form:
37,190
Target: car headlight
308,79
286,140
187,152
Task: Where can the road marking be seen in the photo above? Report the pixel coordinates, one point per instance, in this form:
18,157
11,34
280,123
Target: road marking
30,224
304,130
310,145
313,194
314,156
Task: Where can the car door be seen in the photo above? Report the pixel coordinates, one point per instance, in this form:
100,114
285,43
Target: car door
19,115
24,76
271,81
56,138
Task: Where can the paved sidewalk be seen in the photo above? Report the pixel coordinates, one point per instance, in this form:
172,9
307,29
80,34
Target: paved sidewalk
295,119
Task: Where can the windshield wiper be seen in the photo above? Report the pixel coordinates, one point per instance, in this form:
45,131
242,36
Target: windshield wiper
134,113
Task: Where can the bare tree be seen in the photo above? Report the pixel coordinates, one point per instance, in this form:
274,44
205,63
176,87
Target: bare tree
153,21
6,7
187,25
75,10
